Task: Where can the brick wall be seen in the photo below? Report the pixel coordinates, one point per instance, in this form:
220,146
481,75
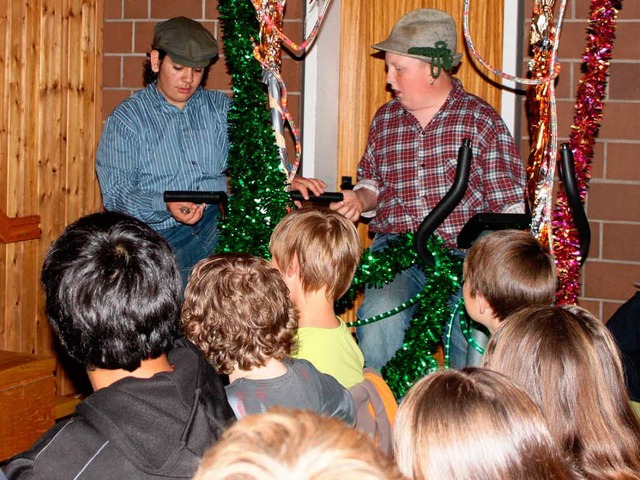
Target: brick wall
613,201
128,32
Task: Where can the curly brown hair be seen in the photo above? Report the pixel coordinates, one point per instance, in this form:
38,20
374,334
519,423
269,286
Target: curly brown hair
237,311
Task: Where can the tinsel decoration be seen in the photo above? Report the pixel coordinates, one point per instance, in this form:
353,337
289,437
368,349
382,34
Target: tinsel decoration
416,356
541,111
584,130
258,198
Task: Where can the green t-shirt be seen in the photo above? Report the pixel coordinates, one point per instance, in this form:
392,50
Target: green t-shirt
333,351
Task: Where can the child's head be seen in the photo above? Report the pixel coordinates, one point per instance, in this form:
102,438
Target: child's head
506,270
237,311
568,362
297,444
322,245
473,424
113,292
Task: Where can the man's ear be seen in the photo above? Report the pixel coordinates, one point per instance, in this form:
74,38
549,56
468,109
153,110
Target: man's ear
154,60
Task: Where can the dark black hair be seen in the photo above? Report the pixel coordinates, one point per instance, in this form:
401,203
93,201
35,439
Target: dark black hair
113,291
148,75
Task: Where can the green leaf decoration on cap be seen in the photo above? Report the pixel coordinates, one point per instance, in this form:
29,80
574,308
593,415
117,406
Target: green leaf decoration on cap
440,57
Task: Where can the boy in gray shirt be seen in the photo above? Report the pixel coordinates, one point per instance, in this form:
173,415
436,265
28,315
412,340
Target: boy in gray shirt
237,310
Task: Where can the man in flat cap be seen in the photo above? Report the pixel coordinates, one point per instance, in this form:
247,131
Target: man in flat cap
172,135
410,161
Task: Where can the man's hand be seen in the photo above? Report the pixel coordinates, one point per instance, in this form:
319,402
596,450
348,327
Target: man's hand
186,212
306,185
351,207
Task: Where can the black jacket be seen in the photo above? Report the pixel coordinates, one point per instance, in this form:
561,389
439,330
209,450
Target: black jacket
135,428
625,327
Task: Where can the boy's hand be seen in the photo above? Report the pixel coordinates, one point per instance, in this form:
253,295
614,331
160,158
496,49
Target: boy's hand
351,207
186,212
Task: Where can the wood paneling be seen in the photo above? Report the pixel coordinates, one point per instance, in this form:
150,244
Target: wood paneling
26,400
50,81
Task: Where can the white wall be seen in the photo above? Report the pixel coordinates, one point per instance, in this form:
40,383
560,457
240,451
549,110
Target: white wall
320,99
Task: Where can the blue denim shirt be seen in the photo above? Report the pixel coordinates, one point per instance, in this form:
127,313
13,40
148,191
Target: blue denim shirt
149,146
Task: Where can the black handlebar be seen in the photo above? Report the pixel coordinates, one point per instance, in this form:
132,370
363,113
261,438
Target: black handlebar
211,198
568,176
326,197
447,204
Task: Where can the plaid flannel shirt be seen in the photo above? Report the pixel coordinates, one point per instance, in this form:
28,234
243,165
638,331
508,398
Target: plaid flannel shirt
411,168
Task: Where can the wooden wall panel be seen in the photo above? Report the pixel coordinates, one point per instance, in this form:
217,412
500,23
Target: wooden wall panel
50,94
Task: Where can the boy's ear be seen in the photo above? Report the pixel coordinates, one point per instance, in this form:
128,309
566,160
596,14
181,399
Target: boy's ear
154,60
294,267
482,303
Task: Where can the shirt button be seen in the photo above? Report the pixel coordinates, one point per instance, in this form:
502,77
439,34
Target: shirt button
197,188
193,163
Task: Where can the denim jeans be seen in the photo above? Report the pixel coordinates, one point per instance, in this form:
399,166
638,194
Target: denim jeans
458,347
192,243
380,340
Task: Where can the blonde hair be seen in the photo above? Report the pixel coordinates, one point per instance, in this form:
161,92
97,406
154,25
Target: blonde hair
294,444
511,269
473,424
326,245
569,363
237,311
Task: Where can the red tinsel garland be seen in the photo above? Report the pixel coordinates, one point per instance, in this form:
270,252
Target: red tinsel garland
584,130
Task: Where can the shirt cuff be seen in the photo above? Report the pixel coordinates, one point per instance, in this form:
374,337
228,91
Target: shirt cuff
372,186
514,208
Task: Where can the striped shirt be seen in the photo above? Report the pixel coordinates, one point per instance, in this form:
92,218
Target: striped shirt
149,146
412,168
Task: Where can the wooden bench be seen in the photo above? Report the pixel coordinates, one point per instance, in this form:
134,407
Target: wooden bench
27,400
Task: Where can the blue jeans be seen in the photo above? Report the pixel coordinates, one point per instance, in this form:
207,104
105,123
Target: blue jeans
459,345
192,243
380,340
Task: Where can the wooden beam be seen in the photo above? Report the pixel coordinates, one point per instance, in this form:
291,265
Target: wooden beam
19,229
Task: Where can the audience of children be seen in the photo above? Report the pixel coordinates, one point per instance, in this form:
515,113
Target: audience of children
503,271
474,424
237,310
295,444
552,405
568,362
317,252
113,293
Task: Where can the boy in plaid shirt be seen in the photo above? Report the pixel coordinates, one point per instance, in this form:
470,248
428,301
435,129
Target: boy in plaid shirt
410,161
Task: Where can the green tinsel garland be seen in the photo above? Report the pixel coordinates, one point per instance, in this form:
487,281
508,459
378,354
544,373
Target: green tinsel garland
258,199
415,358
